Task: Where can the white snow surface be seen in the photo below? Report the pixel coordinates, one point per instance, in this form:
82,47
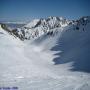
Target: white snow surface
32,65
32,23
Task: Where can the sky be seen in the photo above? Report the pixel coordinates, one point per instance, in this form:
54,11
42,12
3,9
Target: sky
25,10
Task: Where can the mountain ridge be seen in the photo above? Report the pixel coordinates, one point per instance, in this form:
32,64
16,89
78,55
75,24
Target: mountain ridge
39,27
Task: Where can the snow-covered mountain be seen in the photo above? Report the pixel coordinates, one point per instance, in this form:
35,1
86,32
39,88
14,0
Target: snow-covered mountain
55,60
50,22
38,27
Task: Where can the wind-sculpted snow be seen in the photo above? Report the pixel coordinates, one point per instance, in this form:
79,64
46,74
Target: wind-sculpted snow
73,46
53,61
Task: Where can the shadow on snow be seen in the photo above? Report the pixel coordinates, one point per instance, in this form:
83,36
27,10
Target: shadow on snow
73,46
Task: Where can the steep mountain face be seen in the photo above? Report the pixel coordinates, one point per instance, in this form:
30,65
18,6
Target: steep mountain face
50,22
49,26
38,27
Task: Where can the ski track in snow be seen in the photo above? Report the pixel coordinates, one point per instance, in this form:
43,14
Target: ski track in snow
30,67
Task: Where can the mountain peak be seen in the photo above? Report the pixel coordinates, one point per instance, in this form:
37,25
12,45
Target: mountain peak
32,23
50,21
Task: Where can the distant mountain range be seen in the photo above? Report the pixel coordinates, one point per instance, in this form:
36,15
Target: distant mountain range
39,27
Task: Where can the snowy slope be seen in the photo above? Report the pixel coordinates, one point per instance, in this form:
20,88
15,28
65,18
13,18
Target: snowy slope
32,23
13,62
57,61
